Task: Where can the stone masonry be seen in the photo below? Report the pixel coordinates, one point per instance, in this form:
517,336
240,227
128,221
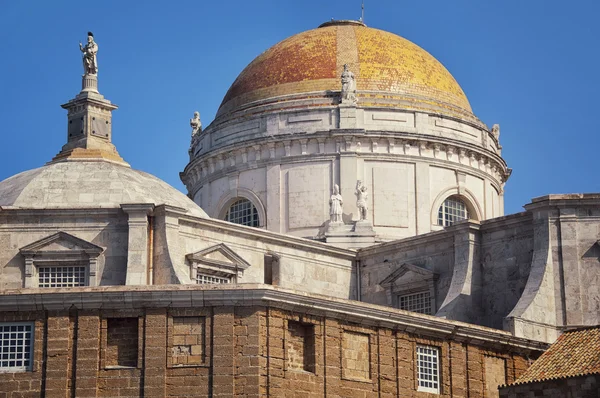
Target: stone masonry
246,341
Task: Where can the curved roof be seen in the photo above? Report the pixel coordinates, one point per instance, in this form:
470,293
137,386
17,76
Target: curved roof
95,184
386,66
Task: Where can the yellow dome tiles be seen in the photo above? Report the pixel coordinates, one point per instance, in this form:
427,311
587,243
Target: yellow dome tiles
391,63
305,57
384,64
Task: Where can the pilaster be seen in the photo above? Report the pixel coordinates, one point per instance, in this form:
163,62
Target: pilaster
137,250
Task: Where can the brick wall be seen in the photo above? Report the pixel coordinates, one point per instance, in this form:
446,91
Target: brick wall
249,351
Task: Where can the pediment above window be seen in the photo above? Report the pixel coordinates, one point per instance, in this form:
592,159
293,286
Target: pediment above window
60,244
408,274
60,260
411,288
219,261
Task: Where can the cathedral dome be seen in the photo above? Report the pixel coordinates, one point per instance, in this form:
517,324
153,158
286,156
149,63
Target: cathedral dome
390,71
97,184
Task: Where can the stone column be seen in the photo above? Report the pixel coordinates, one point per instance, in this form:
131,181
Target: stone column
137,249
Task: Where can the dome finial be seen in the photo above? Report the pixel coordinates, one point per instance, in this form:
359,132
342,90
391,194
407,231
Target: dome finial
362,12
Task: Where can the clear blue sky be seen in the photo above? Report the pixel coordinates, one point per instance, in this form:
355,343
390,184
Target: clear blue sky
530,65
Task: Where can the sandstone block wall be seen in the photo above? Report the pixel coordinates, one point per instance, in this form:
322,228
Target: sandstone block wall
245,351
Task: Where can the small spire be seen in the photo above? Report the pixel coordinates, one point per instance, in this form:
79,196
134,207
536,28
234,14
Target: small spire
362,12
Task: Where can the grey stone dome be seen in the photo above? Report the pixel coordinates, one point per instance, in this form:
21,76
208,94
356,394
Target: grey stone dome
96,184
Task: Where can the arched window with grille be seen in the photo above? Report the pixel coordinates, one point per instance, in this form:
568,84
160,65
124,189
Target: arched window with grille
451,211
243,212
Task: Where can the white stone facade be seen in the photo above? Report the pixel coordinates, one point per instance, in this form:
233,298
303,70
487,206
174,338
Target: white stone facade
287,163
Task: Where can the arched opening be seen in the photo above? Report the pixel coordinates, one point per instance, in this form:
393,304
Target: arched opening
451,211
242,211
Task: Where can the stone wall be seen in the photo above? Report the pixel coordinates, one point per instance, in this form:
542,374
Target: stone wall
163,347
106,228
302,265
580,387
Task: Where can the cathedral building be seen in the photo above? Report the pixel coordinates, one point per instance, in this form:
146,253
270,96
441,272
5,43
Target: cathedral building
343,235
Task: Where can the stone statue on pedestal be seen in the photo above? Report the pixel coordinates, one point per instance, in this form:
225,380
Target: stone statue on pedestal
335,205
361,202
90,63
348,95
196,124
496,131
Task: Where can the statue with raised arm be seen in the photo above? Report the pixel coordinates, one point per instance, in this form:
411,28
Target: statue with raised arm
335,205
196,124
90,63
348,94
361,200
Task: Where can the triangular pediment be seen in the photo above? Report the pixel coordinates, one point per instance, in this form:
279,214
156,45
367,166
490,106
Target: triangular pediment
219,255
61,242
407,274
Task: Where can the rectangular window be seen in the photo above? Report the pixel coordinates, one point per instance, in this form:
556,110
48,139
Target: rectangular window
63,276
122,342
300,346
428,373
356,356
188,341
202,279
416,302
16,347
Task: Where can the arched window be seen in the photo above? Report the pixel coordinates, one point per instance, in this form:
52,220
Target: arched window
243,212
452,210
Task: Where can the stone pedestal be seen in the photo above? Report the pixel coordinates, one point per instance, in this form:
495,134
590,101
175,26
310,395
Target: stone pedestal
348,116
89,83
349,236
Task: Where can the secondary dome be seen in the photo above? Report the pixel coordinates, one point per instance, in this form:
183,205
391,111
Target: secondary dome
80,184
389,71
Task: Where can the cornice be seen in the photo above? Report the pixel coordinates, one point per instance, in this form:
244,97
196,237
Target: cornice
176,296
198,170
256,233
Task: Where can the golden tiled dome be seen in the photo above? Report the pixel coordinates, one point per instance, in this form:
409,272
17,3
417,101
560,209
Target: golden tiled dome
387,67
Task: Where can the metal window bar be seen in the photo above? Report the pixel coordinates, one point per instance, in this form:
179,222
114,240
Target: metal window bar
428,373
204,279
63,276
243,212
16,346
416,302
452,211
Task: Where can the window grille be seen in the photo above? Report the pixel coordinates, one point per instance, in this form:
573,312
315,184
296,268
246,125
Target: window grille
203,279
243,212
428,372
65,276
417,302
16,341
452,211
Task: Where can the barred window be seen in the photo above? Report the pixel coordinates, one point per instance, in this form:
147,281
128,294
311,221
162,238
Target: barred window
428,373
451,211
417,302
16,342
204,279
243,212
63,276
